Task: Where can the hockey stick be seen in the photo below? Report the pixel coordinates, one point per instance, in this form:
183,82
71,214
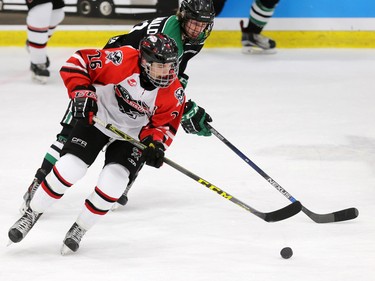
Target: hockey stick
342,215
278,215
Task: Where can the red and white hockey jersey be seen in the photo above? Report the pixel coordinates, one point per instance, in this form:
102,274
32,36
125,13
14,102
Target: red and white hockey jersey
115,74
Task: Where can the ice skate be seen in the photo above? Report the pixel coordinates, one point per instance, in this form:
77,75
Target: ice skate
72,239
39,72
29,194
22,227
253,43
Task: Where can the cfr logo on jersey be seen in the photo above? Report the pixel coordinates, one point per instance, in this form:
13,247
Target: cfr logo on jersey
79,141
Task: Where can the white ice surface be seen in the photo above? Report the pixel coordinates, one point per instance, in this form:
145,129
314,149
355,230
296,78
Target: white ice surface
306,117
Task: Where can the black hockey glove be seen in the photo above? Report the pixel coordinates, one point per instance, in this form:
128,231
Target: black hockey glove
194,119
153,154
84,104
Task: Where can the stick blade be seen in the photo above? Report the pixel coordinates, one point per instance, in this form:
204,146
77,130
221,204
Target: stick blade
284,213
342,215
347,214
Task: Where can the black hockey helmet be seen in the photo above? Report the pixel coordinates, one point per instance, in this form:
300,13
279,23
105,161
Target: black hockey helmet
198,10
159,48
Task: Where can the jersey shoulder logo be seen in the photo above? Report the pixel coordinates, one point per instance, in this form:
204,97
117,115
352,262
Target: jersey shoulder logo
179,95
115,57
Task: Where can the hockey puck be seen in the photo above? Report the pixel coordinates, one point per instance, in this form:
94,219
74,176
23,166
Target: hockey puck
286,252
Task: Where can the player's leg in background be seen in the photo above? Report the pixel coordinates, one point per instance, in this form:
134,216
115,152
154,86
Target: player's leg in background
57,16
252,40
38,21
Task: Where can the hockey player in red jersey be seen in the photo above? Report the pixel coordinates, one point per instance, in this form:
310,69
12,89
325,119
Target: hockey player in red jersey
189,28
137,91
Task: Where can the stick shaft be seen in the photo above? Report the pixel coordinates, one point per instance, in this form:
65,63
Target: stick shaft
342,215
277,215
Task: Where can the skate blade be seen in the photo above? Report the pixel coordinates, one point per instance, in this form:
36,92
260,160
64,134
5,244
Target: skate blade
10,242
65,250
39,79
252,50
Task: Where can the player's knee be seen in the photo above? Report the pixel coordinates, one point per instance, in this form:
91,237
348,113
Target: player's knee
111,184
71,168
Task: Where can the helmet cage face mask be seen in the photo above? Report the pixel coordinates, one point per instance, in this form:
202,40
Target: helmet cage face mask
194,32
159,59
193,14
161,75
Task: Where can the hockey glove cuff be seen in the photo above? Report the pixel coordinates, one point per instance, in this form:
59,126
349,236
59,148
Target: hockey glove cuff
194,120
153,154
84,105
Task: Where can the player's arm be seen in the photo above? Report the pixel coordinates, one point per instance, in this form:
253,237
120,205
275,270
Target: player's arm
78,81
158,134
132,38
166,119
189,53
92,66
88,67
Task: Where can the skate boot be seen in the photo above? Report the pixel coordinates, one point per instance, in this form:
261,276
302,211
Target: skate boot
39,72
72,239
256,43
31,190
22,227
